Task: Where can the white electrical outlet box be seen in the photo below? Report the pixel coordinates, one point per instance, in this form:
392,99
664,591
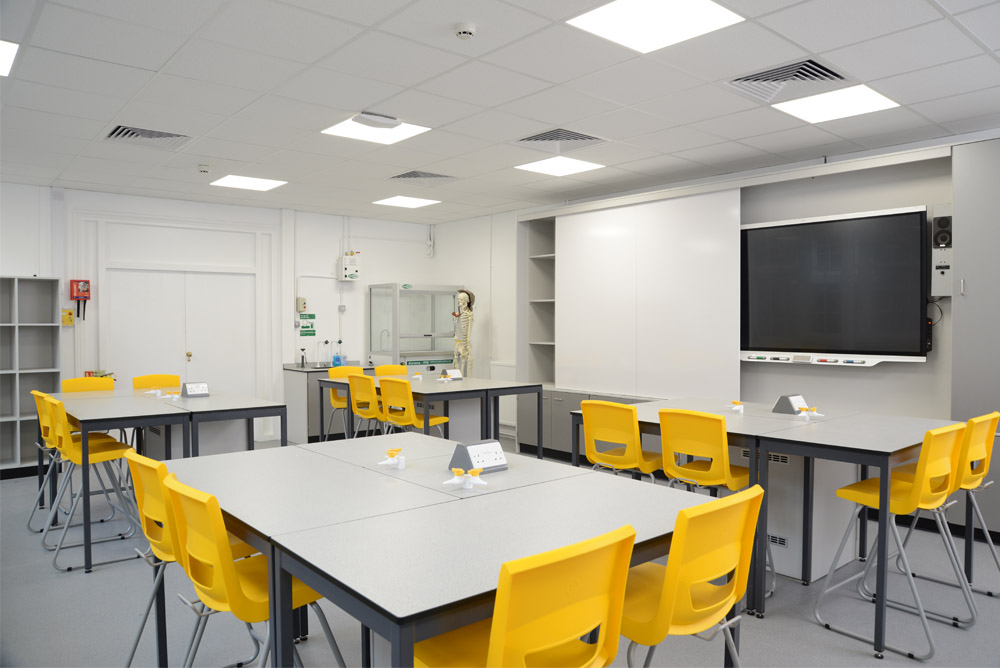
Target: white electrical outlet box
941,277
485,455
300,304
349,266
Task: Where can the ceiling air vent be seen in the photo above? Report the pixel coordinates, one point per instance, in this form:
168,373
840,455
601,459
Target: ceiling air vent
559,141
422,178
167,141
790,82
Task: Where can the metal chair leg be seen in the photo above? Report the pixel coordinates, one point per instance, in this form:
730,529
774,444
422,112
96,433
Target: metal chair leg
160,568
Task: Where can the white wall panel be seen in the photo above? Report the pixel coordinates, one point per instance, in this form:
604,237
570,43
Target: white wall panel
181,247
596,302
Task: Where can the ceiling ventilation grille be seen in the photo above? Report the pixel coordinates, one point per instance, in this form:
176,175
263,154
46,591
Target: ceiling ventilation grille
789,82
166,141
422,178
559,141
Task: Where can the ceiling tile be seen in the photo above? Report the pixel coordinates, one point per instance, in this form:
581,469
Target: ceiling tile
215,98
218,63
619,124
15,19
986,122
578,53
899,137
276,109
742,48
339,147
414,106
905,51
956,6
162,118
497,126
26,120
969,105
78,73
389,58
697,104
629,83
821,25
866,125
256,132
83,34
107,150
443,143
984,24
29,156
402,156
613,153
807,141
189,162
667,165
675,139
558,105
733,155
30,95
176,15
235,151
483,84
28,174
304,36
364,13
335,89
44,142
85,164
559,10
754,8
761,120
963,76
432,22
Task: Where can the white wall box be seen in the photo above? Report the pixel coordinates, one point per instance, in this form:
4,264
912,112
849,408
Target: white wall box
29,360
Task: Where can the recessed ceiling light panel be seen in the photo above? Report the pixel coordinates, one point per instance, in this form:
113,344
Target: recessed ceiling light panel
7,52
366,130
560,166
648,25
407,202
247,183
836,104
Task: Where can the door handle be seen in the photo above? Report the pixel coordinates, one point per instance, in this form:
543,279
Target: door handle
189,356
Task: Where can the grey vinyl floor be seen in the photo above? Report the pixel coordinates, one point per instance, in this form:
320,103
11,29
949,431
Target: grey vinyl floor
49,618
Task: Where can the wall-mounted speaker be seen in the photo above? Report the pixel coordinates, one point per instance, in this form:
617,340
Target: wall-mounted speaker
941,233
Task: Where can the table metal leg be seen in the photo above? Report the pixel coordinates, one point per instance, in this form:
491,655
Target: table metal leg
41,464
754,562
863,524
194,434
88,563
250,434
446,427
760,574
882,558
427,415
366,647
283,420
280,592
402,639
808,473
495,413
168,441
161,618
322,408
186,438
575,422
484,416
350,414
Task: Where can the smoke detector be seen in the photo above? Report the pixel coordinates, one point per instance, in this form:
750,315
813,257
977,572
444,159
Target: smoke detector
373,120
465,30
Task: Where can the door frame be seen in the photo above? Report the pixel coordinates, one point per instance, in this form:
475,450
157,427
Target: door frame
88,243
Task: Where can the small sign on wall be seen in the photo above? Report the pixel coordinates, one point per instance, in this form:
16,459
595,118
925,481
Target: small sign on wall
307,324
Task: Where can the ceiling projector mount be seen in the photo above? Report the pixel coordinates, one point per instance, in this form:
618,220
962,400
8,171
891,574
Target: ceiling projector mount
373,120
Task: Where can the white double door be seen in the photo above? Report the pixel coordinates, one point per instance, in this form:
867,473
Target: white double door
198,325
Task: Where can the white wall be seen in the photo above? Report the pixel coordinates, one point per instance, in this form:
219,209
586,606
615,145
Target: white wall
25,236
922,389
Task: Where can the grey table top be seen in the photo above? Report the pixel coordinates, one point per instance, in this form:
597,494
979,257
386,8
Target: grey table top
446,553
278,490
113,407
370,450
429,384
220,401
118,400
863,431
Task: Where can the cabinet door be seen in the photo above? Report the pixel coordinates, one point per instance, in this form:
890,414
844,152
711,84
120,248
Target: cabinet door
527,419
563,403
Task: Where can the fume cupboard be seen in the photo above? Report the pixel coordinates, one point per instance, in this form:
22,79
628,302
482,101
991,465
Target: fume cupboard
412,325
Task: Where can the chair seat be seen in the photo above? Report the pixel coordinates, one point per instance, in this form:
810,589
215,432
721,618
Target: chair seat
252,573
435,420
469,645
651,461
866,493
739,475
101,448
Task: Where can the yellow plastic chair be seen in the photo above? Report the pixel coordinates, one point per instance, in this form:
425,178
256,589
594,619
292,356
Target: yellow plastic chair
928,490
397,406
338,401
390,370
712,543
155,381
102,449
156,518
364,401
88,384
685,434
544,604
618,424
222,582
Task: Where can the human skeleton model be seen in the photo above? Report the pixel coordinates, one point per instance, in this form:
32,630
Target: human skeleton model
463,330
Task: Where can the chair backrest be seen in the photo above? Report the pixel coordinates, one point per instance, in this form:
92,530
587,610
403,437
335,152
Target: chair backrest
390,370
88,384
155,380
155,510
549,600
44,419
61,431
397,401
934,475
612,423
337,400
695,434
203,548
364,397
711,543
973,461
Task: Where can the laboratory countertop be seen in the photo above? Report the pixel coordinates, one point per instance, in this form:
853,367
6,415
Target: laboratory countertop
319,366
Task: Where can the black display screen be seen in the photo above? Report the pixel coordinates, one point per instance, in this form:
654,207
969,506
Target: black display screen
856,285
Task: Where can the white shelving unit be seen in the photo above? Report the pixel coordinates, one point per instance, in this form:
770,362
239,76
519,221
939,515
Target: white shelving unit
29,360
537,246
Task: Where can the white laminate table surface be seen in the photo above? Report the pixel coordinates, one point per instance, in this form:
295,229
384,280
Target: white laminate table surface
444,554
113,407
429,384
868,432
